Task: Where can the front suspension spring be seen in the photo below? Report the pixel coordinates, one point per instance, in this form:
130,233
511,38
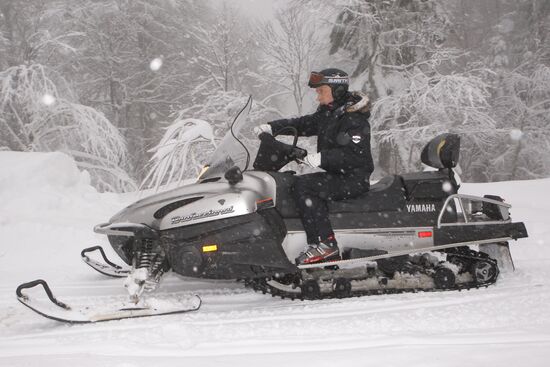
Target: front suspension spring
145,256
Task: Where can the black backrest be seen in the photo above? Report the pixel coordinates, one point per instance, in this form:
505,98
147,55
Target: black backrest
442,151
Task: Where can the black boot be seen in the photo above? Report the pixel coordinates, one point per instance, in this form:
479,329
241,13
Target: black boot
326,250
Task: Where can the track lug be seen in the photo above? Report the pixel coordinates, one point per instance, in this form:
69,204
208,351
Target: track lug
311,289
342,288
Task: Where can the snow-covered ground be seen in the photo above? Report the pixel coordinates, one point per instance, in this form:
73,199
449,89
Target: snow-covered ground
47,213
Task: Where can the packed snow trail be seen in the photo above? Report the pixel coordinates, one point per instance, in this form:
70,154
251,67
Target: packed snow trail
46,219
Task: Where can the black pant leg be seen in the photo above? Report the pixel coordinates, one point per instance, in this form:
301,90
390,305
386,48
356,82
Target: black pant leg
313,191
311,207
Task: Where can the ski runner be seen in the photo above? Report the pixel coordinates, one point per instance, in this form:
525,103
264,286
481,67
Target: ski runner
343,152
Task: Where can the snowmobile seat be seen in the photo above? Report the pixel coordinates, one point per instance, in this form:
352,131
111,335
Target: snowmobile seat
388,194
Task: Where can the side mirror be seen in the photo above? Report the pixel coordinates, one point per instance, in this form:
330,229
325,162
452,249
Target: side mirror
233,175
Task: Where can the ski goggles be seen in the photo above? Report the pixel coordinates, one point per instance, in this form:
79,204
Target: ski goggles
317,79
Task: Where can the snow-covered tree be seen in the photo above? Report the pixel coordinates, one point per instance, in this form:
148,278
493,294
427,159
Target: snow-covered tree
386,38
524,117
291,48
174,158
436,66
220,51
39,106
223,59
517,49
133,64
431,105
141,62
401,58
35,115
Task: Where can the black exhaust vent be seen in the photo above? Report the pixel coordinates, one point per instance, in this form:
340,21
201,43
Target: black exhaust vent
212,179
173,206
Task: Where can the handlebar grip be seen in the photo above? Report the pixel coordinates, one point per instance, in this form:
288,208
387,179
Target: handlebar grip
298,153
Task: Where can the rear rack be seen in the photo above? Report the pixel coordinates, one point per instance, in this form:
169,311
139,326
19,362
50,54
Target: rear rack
474,214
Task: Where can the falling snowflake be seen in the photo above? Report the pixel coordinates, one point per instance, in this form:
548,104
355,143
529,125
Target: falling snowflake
156,64
48,99
516,134
447,187
309,203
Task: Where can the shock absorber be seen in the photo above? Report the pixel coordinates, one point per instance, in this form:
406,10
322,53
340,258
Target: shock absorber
146,255
159,265
149,264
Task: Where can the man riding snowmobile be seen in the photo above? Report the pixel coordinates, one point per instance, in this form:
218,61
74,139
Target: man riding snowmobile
408,232
343,152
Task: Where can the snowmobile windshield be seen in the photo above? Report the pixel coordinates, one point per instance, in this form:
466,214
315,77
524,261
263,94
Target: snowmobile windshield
231,150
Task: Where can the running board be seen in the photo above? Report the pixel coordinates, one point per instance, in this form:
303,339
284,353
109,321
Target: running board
364,260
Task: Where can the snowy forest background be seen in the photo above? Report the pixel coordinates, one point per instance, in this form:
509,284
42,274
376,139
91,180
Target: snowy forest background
113,83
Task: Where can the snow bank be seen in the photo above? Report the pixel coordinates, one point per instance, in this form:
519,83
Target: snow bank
21,170
41,183
47,213
530,202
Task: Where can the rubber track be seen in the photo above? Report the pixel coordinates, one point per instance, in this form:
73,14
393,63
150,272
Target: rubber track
260,284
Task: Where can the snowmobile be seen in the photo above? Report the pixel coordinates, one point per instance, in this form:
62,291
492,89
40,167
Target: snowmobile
410,232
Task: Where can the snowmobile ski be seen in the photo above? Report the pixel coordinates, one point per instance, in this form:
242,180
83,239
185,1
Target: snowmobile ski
108,267
60,311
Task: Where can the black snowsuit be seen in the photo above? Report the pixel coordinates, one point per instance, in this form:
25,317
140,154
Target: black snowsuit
343,139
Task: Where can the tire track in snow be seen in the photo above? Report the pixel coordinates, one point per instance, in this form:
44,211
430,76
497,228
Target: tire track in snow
217,310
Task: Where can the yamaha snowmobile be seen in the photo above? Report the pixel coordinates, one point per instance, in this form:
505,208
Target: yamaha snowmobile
410,232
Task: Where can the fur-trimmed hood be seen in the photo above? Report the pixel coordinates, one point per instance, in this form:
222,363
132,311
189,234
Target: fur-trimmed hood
357,102
352,102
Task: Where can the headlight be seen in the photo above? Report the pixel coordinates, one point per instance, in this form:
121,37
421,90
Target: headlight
203,171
